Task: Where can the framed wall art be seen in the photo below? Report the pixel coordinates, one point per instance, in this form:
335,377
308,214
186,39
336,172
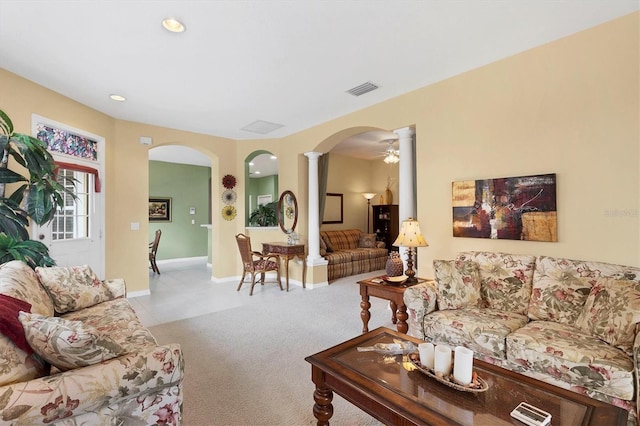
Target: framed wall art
333,208
513,208
160,209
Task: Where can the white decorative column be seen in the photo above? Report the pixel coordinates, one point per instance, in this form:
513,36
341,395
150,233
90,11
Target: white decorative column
314,257
406,179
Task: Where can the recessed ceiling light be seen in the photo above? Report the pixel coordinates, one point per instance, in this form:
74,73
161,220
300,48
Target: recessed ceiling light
251,163
257,172
173,25
273,157
118,98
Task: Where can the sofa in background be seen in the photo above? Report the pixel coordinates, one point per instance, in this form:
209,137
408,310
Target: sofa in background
72,351
567,322
351,252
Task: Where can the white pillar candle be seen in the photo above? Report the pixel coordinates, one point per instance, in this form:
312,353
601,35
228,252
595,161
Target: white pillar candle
463,365
426,354
442,360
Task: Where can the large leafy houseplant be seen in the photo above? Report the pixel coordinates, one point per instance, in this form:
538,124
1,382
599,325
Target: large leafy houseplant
264,215
36,195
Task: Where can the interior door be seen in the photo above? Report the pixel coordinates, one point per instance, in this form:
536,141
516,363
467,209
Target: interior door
74,236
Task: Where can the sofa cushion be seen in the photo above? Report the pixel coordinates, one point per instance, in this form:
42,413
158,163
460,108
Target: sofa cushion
18,366
480,329
118,319
323,247
341,239
561,286
458,283
18,280
367,241
572,356
338,257
67,344
72,288
611,312
505,279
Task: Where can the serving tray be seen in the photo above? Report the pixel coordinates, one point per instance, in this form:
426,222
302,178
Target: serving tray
477,386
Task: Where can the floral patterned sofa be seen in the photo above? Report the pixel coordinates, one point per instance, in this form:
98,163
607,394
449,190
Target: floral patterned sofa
72,351
567,322
351,252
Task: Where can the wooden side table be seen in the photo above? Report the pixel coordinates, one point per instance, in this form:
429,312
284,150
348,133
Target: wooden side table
288,252
376,287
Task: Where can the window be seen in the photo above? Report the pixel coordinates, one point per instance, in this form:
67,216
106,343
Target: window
72,220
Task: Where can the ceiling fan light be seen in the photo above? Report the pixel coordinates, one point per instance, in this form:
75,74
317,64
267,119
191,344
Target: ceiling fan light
392,157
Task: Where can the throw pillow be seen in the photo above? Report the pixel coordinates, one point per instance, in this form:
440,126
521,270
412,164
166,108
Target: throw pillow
10,325
458,283
323,247
612,311
367,241
72,288
67,344
327,243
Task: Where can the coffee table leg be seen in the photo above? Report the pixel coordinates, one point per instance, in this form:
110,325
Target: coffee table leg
322,409
393,307
402,316
365,314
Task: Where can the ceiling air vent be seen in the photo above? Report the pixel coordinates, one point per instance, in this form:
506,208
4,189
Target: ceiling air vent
262,127
363,88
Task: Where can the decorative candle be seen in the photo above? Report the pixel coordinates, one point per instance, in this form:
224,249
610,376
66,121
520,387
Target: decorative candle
463,365
426,354
442,360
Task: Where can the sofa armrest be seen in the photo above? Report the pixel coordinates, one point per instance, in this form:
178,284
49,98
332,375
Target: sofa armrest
88,389
636,367
117,287
420,300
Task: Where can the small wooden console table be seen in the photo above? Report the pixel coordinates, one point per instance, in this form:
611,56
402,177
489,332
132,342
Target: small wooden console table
287,252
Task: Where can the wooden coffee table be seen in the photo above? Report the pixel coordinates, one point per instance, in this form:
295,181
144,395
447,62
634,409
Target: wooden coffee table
389,389
376,287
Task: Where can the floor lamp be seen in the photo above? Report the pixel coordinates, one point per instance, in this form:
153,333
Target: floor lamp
368,196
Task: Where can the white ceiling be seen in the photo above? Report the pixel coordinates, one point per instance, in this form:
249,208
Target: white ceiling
285,62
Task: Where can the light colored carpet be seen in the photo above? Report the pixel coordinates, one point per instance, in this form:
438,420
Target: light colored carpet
245,365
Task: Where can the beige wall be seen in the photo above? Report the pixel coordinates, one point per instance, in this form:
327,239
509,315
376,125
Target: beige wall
569,107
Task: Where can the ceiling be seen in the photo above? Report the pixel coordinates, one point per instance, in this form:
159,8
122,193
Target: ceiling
283,62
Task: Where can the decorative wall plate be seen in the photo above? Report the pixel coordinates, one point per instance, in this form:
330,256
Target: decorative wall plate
229,196
229,181
229,212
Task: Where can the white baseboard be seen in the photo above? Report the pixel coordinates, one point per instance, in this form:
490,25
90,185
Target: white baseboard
131,294
202,259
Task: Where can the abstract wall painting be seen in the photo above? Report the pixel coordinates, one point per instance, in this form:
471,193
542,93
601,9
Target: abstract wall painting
513,208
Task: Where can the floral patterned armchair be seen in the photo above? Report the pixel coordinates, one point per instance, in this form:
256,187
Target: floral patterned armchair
72,351
567,322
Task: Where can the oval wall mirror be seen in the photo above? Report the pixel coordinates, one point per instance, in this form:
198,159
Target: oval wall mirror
287,212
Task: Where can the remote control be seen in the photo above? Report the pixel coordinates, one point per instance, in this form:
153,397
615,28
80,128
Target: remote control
531,415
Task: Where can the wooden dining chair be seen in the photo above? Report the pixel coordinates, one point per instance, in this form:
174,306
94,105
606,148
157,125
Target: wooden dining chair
254,262
153,249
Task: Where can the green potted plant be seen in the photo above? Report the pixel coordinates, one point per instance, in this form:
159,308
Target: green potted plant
35,196
264,215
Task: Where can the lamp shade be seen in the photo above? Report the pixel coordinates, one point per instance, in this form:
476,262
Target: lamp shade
369,195
410,235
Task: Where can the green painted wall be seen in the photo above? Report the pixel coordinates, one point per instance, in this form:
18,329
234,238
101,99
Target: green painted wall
188,186
261,186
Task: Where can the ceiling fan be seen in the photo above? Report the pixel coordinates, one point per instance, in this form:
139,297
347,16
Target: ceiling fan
391,155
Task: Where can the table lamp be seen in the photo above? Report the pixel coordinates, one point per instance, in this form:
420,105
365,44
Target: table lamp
410,237
368,196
